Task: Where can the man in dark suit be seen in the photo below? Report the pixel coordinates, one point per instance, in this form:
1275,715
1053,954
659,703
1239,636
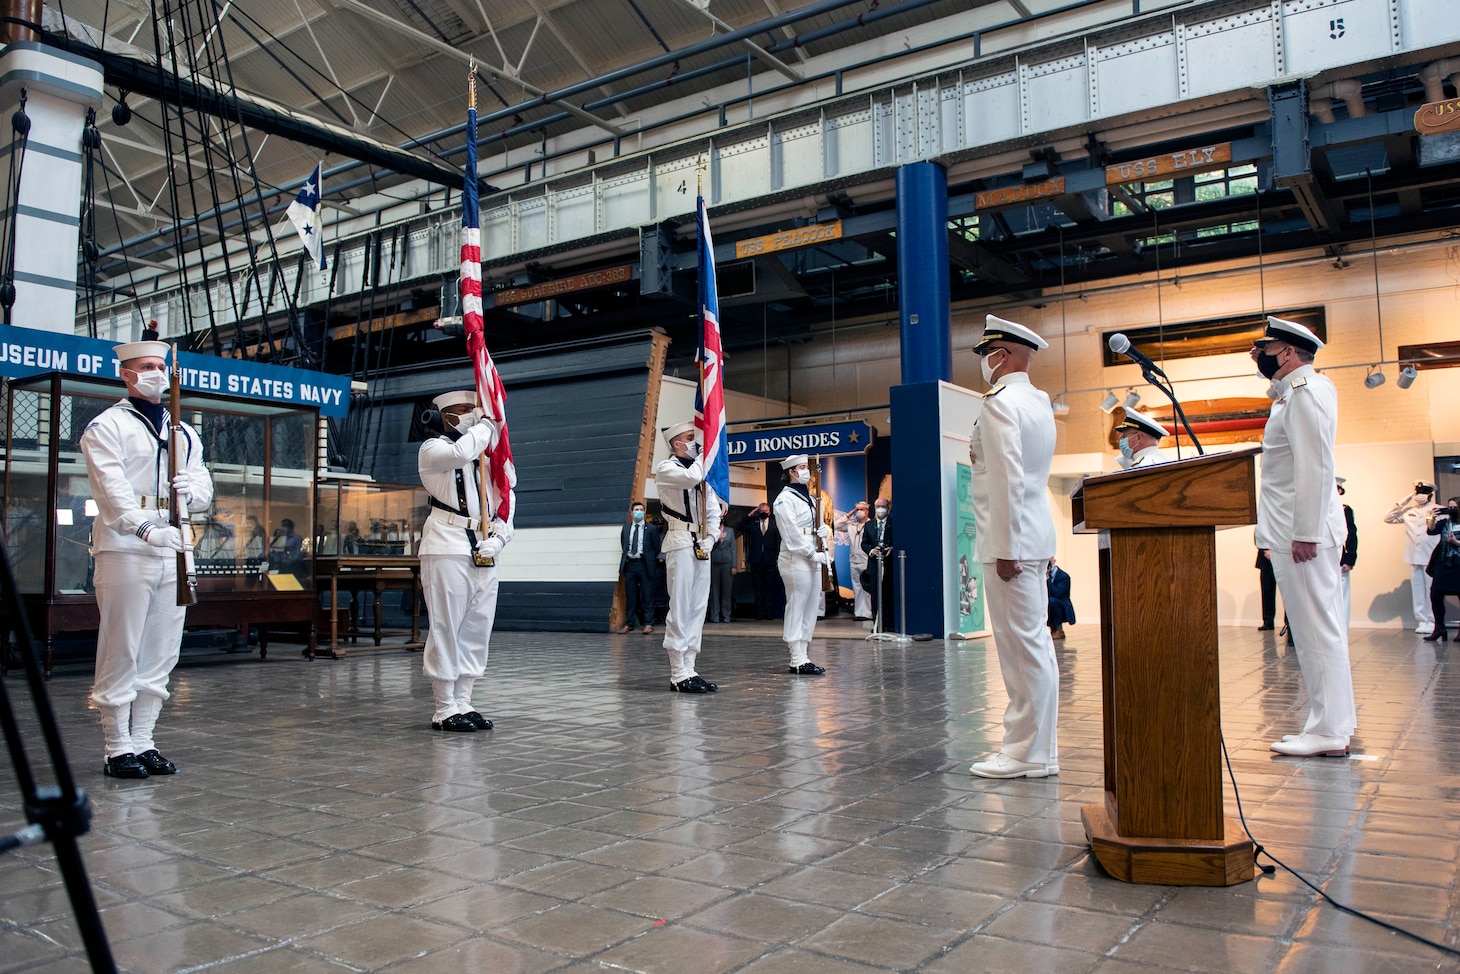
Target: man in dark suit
877,543
762,547
639,542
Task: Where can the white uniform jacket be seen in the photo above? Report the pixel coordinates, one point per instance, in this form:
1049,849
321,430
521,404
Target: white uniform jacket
1149,457
796,520
1418,542
1296,501
679,486
126,462
1011,448
438,461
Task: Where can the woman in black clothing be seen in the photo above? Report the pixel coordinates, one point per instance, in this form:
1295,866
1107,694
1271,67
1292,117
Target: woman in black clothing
1444,566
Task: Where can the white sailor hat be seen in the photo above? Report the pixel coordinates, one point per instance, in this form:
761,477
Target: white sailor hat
997,329
466,397
1294,334
794,461
127,351
1422,486
1139,421
670,432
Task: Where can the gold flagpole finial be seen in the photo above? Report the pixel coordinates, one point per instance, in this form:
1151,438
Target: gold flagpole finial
700,175
471,84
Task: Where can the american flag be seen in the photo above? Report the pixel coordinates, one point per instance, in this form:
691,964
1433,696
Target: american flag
710,396
489,384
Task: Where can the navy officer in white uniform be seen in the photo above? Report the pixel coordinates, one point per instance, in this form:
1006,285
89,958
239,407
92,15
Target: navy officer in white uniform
459,548
1300,521
799,562
1140,441
692,512
140,634
1011,448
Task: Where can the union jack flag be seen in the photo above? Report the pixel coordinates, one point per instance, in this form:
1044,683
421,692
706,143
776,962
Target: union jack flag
489,385
710,395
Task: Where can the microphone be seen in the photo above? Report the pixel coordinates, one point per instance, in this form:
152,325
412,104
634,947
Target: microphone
1121,345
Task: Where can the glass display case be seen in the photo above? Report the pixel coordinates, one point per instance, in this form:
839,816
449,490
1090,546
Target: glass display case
253,546
357,516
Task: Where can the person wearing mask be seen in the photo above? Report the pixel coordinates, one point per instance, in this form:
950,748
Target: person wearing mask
799,562
1444,565
1414,512
722,571
762,548
140,633
1061,607
850,527
693,512
1140,441
1350,556
878,575
639,542
1300,522
1011,448
459,547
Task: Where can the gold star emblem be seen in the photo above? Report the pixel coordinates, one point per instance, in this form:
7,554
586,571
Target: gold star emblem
856,437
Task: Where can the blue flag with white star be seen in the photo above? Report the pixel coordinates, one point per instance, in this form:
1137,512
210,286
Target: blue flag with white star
304,213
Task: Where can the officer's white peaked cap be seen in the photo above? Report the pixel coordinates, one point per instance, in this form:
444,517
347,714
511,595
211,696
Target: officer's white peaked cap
670,432
1283,330
466,397
127,351
998,329
1139,421
794,461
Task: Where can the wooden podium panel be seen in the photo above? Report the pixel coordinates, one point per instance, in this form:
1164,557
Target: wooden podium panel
1162,819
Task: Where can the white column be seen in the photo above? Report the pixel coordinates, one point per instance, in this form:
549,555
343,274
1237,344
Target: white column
59,87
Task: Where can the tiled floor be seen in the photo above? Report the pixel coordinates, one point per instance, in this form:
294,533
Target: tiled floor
814,825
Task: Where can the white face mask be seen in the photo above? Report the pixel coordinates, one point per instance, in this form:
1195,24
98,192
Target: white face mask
986,369
151,385
803,476
463,422
881,513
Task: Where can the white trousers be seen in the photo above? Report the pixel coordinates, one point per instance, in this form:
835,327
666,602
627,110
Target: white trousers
1312,595
461,600
688,581
861,600
803,592
1018,610
1419,594
141,626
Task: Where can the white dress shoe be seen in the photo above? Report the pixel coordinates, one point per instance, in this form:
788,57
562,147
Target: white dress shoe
1311,745
1003,766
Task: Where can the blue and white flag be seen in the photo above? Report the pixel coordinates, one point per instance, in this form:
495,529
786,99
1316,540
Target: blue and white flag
304,213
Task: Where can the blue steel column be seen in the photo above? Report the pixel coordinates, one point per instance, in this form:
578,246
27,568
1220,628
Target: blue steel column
922,272
927,359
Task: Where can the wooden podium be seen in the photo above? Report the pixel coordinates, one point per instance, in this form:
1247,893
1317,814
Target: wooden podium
1162,820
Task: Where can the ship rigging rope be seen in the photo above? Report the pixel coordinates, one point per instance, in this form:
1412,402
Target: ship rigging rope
19,139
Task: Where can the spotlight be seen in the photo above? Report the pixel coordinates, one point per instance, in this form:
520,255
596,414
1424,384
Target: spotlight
1375,378
1132,400
1407,375
1108,404
1060,407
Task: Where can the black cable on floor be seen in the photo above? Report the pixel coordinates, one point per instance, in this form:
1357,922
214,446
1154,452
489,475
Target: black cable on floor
1259,850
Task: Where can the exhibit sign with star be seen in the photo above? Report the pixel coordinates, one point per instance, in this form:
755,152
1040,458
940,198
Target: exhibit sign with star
818,439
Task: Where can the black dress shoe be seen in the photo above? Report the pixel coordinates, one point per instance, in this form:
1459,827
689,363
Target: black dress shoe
124,766
456,722
155,763
1265,627
477,720
807,669
691,685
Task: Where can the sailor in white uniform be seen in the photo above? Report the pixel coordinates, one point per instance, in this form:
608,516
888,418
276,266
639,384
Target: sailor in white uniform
1414,513
849,528
1011,448
799,561
1140,441
1300,521
692,511
458,559
137,643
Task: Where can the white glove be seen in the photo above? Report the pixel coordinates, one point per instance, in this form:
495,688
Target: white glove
489,547
182,482
823,558
501,531
823,532
165,536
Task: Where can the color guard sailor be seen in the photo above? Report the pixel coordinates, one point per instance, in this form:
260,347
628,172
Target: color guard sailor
692,512
799,562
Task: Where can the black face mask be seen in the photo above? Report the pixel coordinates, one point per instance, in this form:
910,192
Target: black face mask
1267,364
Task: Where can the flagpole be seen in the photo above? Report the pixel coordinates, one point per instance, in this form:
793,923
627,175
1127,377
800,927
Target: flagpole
483,462
704,446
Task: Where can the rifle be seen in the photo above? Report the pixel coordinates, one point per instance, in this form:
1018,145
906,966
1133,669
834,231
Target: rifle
827,584
187,572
